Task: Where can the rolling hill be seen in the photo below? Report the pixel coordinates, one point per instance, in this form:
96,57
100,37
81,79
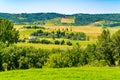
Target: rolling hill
63,19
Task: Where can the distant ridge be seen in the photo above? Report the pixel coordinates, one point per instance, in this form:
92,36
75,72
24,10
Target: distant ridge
79,19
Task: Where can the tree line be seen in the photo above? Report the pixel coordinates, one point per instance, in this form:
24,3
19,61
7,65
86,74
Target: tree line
45,41
61,34
80,19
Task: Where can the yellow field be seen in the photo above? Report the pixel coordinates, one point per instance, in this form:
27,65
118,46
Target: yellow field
67,20
18,27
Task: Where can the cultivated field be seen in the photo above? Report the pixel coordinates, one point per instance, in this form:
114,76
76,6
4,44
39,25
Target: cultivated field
82,73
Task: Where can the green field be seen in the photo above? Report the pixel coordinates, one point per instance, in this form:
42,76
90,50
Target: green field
82,73
45,46
51,46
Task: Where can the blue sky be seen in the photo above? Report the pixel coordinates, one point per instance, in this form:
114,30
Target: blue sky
60,6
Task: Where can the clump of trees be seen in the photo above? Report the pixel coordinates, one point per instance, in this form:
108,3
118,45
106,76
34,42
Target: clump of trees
33,27
61,34
22,58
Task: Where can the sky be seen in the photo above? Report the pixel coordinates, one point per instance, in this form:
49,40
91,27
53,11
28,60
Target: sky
60,6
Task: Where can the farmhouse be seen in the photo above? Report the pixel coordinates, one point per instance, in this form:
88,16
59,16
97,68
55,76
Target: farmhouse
31,37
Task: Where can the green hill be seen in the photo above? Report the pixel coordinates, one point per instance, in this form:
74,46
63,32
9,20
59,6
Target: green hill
62,19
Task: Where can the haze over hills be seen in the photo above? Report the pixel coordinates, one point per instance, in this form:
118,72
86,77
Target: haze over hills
63,19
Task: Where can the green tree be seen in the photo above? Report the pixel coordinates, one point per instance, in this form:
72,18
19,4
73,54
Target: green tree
62,42
116,45
69,43
2,46
8,34
104,48
89,51
57,42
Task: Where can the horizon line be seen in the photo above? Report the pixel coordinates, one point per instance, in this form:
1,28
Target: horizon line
54,12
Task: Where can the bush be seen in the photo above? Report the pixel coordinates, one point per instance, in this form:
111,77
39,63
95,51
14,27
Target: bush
5,65
97,63
73,57
69,43
44,41
23,58
34,41
62,42
58,60
57,42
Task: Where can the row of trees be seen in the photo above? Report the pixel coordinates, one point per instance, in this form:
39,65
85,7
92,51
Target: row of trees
33,27
60,34
56,42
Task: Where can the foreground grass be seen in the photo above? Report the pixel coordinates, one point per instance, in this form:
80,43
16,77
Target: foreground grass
83,73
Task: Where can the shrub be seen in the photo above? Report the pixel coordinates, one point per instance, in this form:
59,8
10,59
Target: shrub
69,43
57,42
34,41
44,41
58,60
5,65
62,42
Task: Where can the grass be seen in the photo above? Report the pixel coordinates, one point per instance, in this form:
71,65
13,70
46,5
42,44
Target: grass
51,46
18,27
82,73
45,46
26,33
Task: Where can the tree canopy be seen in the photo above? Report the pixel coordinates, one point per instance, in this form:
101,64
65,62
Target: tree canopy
8,34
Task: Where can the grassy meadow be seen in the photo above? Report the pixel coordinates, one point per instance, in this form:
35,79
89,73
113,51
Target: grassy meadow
81,73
